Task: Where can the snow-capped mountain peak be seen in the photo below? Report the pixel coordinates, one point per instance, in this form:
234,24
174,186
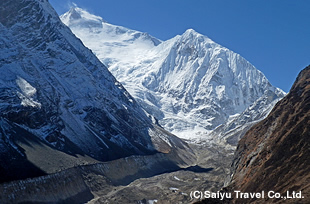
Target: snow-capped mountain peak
189,83
112,44
77,16
191,34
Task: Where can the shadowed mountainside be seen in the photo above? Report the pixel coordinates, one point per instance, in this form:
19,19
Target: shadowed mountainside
274,154
59,105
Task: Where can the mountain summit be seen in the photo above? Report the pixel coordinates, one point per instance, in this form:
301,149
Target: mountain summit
191,84
112,44
78,16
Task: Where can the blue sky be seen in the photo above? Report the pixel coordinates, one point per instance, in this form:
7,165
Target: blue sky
273,35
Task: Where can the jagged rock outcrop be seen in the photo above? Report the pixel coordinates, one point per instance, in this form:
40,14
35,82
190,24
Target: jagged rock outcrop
274,154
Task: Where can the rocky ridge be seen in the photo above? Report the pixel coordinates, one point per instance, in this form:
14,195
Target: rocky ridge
274,154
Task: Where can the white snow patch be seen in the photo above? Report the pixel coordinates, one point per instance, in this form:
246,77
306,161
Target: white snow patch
176,178
101,140
173,189
27,93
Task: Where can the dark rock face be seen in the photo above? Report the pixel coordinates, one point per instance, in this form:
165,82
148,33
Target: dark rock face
56,95
274,155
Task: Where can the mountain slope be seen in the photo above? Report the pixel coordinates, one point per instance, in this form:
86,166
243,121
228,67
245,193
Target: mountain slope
112,44
274,154
189,83
55,95
234,129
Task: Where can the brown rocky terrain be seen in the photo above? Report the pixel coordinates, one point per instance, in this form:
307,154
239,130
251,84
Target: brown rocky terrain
274,154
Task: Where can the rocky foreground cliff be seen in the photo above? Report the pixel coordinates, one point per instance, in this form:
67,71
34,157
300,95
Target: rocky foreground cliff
273,156
272,159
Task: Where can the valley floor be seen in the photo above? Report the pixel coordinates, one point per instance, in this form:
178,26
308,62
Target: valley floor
105,182
168,188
